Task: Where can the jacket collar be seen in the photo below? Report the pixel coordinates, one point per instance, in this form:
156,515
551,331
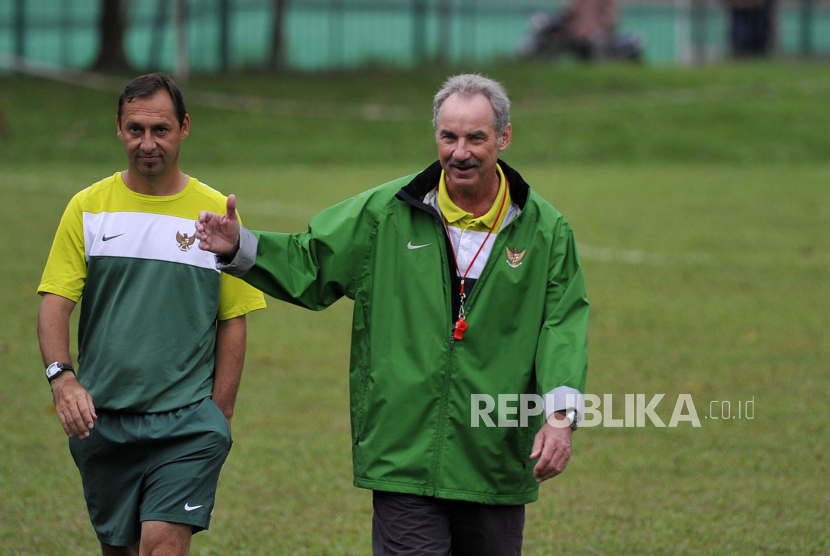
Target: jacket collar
414,192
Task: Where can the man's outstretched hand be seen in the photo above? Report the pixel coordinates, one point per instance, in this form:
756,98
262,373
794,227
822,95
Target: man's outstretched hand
219,233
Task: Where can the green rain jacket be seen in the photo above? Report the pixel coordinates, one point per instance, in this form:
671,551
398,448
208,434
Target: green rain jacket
410,384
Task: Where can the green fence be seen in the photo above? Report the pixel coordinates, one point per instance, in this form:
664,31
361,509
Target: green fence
329,34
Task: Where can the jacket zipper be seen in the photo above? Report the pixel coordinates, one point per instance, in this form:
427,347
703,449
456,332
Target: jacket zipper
442,413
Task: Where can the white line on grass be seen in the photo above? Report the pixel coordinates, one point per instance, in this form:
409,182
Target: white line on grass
303,213
286,210
754,260
594,550
630,256
35,184
587,252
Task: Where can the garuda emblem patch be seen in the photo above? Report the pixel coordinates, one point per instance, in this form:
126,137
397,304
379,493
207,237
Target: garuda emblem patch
185,242
514,256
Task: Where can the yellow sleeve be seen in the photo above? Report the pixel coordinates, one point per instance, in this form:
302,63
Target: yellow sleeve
65,272
237,298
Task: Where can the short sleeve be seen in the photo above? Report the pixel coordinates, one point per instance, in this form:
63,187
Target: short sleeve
66,268
237,298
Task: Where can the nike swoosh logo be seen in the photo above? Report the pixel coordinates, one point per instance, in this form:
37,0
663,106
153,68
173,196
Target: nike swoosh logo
410,246
189,508
105,238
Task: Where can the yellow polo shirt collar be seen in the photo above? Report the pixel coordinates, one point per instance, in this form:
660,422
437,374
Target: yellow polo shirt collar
460,218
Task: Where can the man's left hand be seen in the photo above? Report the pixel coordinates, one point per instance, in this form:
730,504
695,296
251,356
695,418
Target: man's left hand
552,446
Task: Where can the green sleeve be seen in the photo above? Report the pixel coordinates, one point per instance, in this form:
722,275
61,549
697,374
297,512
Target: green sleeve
562,352
316,268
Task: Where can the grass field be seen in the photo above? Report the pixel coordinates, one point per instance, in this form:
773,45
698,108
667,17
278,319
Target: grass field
701,203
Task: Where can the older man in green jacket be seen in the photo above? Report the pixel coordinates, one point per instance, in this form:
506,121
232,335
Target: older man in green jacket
467,289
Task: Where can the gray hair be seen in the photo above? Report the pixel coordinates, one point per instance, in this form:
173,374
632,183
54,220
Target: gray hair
470,84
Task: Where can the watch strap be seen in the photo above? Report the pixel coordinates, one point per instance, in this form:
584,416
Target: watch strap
61,368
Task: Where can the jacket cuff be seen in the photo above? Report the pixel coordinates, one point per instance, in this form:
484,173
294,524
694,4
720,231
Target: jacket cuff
567,399
245,257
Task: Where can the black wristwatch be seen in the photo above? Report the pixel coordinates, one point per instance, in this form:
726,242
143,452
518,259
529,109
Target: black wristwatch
54,370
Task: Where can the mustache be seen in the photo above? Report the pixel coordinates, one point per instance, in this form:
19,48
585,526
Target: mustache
464,164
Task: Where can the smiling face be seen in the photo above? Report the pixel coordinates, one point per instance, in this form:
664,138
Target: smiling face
468,145
152,136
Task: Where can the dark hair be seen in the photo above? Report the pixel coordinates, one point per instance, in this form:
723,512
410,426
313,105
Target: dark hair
146,86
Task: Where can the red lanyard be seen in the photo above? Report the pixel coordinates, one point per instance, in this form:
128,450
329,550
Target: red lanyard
461,323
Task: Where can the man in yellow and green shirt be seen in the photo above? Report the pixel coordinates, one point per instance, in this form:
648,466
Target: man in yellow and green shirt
161,336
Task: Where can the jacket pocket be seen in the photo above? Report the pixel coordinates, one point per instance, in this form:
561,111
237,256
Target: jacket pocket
524,445
360,408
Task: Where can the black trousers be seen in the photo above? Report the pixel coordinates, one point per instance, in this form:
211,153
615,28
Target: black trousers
411,525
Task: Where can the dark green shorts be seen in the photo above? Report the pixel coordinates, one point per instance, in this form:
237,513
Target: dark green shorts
151,467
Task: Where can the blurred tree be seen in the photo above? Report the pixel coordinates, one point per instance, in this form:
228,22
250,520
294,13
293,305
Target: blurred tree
181,68
277,58
5,130
159,27
752,27
444,33
111,30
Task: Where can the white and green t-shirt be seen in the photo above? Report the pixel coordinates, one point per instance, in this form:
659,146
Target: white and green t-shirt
151,297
